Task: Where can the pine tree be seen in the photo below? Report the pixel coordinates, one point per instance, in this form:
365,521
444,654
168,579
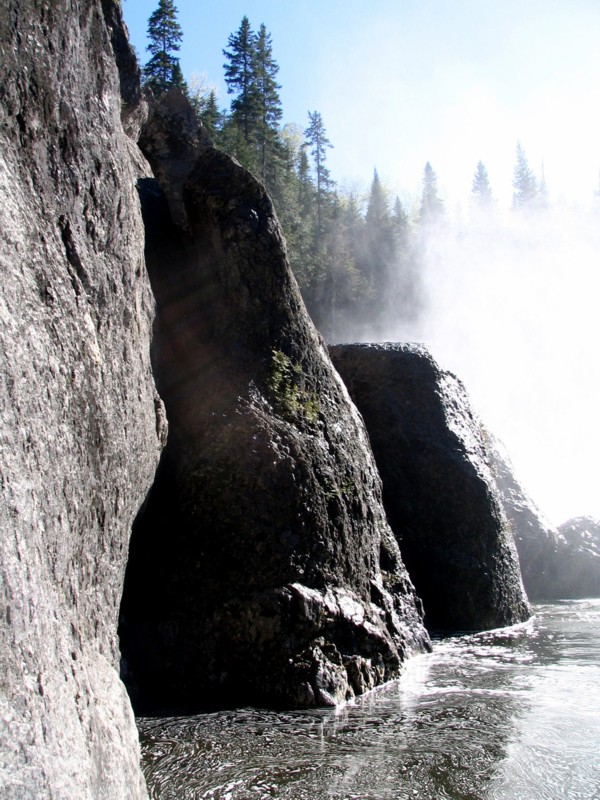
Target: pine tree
524,182
542,198
340,285
162,71
269,106
481,189
240,77
316,138
431,207
406,289
207,109
306,189
297,211
177,79
400,219
379,251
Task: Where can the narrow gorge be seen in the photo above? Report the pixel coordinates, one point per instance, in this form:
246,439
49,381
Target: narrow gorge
193,507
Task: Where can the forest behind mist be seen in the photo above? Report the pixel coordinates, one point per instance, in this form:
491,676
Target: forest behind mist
501,292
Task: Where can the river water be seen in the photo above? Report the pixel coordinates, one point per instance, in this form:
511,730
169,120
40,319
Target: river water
507,714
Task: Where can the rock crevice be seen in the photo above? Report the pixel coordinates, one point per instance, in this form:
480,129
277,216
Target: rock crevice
265,523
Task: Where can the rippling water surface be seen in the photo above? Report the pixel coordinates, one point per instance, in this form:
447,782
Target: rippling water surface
512,713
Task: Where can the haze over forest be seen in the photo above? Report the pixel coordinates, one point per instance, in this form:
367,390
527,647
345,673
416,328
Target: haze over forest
471,226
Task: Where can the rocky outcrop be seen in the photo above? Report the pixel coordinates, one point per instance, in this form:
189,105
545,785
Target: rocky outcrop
262,568
536,540
555,563
438,490
578,556
80,421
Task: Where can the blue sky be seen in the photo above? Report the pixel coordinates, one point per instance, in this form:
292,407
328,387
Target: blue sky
402,83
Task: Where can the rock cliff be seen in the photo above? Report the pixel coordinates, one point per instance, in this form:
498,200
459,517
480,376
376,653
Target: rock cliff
578,557
438,490
555,563
80,421
262,568
536,540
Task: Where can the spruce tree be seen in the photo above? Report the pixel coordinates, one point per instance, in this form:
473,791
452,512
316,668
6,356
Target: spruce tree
269,106
240,77
338,279
210,114
542,199
379,252
524,182
204,103
406,290
162,71
316,139
481,189
431,208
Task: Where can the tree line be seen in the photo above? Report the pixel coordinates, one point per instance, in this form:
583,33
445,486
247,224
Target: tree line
353,260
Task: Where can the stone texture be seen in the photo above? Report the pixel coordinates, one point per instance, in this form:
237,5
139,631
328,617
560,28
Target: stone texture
438,489
536,540
80,420
578,572
262,568
555,563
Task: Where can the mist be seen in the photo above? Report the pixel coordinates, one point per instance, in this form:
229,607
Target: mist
509,303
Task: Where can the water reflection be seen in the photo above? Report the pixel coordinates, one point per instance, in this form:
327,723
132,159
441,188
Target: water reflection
505,714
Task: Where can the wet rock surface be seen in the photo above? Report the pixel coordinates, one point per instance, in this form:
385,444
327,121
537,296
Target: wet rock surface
438,490
79,429
262,568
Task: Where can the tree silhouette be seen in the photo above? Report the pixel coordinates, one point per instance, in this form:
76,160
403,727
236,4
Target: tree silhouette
431,207
162,71
481,189
524,182
316,138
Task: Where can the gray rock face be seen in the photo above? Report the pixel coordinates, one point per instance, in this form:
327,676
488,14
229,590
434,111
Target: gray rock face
438,490
80,436
262,568
555,563
536,540
578,572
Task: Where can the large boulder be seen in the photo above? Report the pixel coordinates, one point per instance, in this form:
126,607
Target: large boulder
262,568
81,424
438,489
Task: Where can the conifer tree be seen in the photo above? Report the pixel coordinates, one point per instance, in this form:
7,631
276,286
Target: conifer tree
379,252
306,189
340,284
162,71
406,290
209,113
316,139
240,77
542,198
269,105
177,79
431,207
481,190
524,182
400,218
